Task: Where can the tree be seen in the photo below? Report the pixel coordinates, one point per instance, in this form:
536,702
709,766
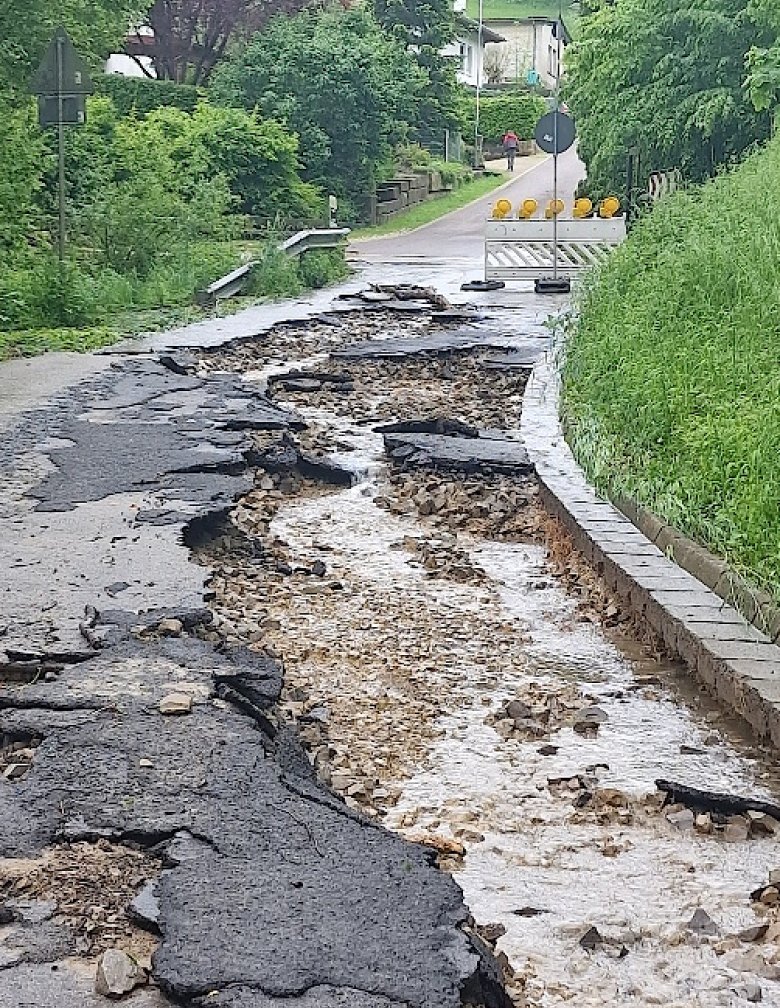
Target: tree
192,36
764,61
666,76
27,26
348,90
424,28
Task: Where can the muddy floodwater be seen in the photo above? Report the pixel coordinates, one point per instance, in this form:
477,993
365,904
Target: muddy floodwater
461,677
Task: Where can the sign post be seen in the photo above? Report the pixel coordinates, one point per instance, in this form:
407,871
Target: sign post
62,84
555,134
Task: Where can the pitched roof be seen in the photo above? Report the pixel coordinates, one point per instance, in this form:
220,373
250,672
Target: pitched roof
526,10
488,35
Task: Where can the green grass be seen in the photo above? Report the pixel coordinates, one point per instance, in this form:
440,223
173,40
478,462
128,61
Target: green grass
277,276
672,373
424,213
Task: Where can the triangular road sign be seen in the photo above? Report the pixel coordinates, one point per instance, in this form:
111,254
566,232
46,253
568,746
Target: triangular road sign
75,76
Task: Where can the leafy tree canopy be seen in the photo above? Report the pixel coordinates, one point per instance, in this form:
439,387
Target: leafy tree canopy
192,36
764,60
27,27
346,88
666,76
424,28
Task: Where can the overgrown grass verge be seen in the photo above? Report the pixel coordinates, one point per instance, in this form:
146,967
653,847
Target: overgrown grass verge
425,213
671,390
107,318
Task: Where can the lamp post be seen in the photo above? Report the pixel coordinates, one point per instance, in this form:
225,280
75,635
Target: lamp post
480,31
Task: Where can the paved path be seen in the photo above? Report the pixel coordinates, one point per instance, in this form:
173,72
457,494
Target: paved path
459,235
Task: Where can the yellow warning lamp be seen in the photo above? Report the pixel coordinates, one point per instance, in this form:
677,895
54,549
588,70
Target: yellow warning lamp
582,207
609,207
554,209
527,209
501,209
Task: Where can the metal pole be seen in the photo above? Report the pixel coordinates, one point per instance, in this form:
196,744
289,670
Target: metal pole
558,32
61,145
479,84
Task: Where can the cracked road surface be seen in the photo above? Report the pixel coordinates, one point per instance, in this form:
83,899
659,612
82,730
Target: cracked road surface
304,704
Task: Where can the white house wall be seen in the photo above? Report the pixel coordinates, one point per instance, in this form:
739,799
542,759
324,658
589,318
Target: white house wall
529,46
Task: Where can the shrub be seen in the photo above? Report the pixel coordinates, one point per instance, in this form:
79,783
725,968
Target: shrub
497,114
140,95
348,90
322,267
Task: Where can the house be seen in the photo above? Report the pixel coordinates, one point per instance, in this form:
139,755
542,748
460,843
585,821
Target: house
136,60
529,52
471,52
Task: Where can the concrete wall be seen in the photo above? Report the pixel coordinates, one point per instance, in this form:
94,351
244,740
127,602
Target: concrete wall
404,191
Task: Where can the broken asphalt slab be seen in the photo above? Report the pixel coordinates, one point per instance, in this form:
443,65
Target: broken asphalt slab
270,889
484,453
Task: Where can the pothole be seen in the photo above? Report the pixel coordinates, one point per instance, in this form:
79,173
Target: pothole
86,888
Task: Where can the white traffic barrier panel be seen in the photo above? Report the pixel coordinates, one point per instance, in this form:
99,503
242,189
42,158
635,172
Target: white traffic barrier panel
525,249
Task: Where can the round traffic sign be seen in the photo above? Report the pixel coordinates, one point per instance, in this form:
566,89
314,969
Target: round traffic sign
555,132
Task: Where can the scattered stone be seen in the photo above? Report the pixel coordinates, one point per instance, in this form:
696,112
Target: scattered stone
176,703
689,750
529,912
589,720
763,825
7,916
737,829
591,939
753,934
749,992
701,923
703,823
548,750
170,627
117,974
768,895
774,876
682,820
518,711
491,932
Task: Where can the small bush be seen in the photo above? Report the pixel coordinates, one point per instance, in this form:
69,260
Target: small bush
516,111
141,96
322,267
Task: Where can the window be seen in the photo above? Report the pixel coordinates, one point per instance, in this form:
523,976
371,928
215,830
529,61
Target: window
466,57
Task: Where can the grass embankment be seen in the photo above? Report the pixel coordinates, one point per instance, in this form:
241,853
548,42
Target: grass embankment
425,213
672,375
168,305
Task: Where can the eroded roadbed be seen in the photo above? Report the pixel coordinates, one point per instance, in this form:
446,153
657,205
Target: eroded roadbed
460,676
164,836
293,661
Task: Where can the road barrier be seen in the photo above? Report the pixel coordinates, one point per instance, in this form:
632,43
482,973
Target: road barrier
525,249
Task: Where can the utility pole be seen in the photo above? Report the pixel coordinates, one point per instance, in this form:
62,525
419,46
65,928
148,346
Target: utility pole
480,34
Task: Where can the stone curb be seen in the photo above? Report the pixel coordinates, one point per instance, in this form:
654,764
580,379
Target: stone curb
737,662
757,606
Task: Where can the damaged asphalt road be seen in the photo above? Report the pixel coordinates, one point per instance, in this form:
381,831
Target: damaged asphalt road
269,889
